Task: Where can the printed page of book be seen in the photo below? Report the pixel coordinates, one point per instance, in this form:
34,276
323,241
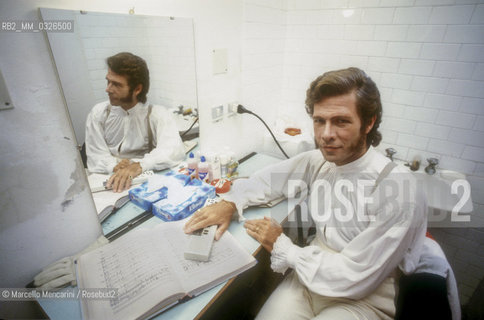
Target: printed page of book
142,275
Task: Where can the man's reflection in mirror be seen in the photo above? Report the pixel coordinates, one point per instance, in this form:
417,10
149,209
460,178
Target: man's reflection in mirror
127,134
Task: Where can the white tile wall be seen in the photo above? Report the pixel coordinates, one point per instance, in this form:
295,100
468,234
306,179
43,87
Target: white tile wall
377,15
479,72
412,15
428,84
455,119
444,147
479,126
472,105
422,115
467,88
427,57
451,14
454,70
412,98
467,137
408,140
171,68
439,51
478,16
395,80
389,32
403,50
426,33
383,64
464,34
471,153
442,102
432,131
471,53
358,32
416,67
265,35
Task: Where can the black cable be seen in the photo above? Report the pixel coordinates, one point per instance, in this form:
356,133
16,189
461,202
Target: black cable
184,133
242,109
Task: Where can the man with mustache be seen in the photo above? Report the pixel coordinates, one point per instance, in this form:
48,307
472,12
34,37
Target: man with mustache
127,135
349,269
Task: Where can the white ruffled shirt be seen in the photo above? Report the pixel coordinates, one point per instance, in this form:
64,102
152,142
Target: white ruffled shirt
361,253
124,135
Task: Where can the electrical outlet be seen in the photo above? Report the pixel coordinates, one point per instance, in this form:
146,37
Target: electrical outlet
232,109
217,113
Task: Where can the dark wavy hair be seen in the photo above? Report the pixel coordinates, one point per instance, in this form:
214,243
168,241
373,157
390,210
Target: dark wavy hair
340,82
134,68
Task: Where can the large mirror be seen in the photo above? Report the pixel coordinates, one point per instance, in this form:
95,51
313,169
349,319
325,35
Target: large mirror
166,44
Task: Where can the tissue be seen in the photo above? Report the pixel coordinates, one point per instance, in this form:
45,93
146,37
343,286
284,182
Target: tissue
172,209
171,196
143,197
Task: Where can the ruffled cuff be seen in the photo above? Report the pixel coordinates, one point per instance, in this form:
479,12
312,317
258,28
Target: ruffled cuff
284,254
146,164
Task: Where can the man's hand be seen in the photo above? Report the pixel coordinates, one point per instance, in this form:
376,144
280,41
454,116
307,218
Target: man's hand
266,231
219,213
122,164
121,179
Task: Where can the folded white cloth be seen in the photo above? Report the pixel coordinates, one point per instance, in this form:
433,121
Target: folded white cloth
62,273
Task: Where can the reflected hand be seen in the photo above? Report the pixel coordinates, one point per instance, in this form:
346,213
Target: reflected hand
122,164
121,180
219,213
266,231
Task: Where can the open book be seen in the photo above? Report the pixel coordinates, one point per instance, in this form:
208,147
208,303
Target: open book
107,201
149,271
97,181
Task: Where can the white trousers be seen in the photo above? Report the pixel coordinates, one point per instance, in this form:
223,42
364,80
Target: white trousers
293,301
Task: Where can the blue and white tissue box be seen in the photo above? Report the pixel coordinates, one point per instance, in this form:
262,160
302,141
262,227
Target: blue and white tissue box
145,198
155,189
171,196
181,204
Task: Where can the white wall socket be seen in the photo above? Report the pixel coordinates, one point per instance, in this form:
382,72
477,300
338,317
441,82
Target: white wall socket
232,109
217,113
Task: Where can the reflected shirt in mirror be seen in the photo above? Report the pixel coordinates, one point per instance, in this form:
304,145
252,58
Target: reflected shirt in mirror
113,133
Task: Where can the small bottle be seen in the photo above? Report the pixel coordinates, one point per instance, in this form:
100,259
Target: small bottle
192,165
203,169
224,161
232,168
215,166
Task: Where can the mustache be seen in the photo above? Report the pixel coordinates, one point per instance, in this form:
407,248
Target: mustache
320,144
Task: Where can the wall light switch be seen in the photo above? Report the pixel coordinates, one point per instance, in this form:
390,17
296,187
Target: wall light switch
217,113
5,101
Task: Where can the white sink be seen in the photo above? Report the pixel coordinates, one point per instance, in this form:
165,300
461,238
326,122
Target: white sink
446,190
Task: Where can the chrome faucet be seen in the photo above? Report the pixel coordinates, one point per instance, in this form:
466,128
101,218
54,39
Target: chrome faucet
430,169
390,152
